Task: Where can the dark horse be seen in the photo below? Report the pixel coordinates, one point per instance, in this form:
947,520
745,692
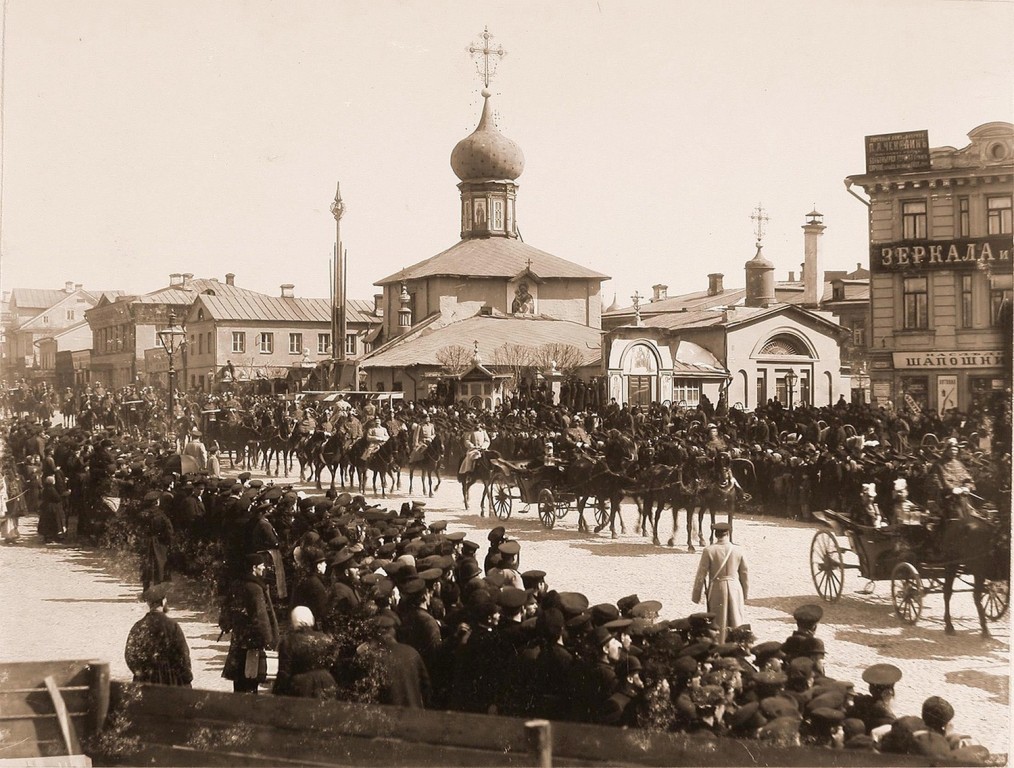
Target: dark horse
386,462
662,484
977,546
587,476
428,466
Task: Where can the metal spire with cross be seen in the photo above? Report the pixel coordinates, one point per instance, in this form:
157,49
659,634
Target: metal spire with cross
760,218
486,51
636,298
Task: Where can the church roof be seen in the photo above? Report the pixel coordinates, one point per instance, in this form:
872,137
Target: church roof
421,345
486,153
493,257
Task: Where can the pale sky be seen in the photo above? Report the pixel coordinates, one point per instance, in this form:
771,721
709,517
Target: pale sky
143,138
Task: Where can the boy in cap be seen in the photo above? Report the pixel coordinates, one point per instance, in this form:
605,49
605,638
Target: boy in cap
250,617
157,650
806,617
874,709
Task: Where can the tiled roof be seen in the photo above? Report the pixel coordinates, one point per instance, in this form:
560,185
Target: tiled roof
493,257
420,347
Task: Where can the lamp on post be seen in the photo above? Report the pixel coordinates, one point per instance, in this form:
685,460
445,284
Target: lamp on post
172,338
790,381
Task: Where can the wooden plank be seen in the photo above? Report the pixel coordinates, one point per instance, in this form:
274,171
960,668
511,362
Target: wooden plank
38,728
37,701
66,724
316,747
57,761
98,696
30,674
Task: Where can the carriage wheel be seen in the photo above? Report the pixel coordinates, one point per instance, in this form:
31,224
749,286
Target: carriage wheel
547,508
502,501
996,599
906,592
601,516
827,566
562,507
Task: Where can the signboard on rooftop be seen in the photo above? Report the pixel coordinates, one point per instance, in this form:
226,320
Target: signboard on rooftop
887,152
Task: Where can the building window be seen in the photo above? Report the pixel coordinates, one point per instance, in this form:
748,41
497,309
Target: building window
686,390
323,343
966,301
266,343
295,343
998,300
916,302
350,343
210,350
913,219
964,218
45,319
200,343
859,333
70,314
238,342
762,390
998,216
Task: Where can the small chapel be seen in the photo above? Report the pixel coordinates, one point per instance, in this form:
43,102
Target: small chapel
488,289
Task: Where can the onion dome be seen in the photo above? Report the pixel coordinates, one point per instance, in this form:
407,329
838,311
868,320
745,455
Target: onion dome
487,153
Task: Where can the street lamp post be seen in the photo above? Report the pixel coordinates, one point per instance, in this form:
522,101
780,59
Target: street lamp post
790,381
172,339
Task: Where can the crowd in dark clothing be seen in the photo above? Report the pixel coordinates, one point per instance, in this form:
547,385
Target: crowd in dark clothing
381,605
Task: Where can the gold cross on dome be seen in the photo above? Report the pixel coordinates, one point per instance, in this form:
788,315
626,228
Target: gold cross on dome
761,219
485,50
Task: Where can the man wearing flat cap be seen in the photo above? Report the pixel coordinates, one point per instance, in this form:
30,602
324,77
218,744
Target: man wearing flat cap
807,617
157,650
156,536
874,709
250,618
723,566
509,552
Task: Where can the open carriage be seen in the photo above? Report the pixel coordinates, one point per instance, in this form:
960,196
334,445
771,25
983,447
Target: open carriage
535,483
880,554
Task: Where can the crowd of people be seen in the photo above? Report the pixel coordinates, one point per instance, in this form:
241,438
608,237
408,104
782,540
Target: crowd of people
368,604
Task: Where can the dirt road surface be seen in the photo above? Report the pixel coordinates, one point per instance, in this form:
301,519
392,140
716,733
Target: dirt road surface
78,602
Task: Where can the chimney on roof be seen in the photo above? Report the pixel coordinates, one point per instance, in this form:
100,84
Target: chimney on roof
78,286
68,287
287,291
812,231
378,304
660,292
230,278
792,276
715,285
175,279
859,265
404,312
187,277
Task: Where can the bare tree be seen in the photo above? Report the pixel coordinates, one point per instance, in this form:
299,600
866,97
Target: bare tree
454,358
566,356
515,359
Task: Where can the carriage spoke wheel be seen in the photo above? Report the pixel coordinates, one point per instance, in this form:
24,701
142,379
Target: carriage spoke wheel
601,516
907,592
547,508
996,598
502,502
827,566
562,507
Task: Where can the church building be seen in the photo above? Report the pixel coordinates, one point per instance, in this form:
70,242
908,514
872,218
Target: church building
488,290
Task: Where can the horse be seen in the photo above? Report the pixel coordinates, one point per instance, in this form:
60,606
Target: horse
587,476
276,445
385,462
968,543
428,466
483,471
331,454
662,484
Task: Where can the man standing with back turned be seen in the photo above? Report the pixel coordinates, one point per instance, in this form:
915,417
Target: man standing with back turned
723,565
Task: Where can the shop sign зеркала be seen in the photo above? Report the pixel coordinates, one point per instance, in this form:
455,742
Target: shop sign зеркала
960,253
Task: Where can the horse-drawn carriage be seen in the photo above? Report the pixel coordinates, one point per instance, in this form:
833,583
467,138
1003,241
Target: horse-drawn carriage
977,555
544,485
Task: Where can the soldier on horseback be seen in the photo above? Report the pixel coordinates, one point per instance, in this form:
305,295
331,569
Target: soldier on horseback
476,441
422,435
376,436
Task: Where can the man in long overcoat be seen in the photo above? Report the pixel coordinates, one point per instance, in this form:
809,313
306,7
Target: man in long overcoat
723,565
157,650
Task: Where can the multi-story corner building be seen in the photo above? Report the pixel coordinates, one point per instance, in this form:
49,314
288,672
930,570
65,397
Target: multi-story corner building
941,272
233,340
